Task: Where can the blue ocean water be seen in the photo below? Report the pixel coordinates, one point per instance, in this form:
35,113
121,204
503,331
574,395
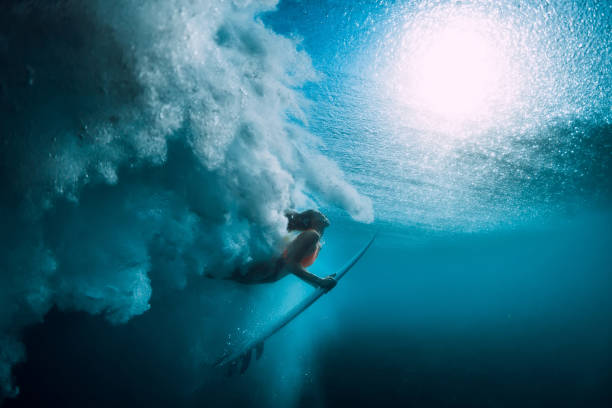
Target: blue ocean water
145,145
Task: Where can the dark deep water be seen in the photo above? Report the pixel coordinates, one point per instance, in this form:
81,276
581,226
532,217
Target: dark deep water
146,144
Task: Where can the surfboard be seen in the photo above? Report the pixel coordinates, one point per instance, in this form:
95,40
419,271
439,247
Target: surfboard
244,353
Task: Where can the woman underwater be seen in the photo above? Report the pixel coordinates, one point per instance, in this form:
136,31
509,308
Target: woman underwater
298,255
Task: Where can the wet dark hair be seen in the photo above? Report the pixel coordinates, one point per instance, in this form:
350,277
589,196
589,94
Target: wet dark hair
305,220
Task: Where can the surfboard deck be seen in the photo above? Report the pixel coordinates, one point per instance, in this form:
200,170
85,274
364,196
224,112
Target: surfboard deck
245,351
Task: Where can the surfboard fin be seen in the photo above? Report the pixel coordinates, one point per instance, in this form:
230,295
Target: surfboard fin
259,348
231,368
246,360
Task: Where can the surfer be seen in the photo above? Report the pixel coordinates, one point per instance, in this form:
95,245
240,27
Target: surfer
297,256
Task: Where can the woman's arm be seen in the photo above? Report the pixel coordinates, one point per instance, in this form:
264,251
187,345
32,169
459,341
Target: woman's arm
310,278
304,275
304,245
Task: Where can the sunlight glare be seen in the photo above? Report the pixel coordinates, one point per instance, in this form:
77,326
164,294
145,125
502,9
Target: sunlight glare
456,73
453,71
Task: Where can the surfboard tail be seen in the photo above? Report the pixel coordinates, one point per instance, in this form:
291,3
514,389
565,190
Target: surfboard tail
243,360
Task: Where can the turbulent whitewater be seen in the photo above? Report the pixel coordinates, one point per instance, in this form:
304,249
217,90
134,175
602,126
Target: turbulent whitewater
157,138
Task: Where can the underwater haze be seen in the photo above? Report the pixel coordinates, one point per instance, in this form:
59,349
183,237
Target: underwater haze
148,144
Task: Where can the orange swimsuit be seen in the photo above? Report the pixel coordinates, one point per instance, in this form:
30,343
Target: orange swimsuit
308,259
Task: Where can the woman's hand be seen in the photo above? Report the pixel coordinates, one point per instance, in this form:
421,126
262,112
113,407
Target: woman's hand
325,283
328,282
